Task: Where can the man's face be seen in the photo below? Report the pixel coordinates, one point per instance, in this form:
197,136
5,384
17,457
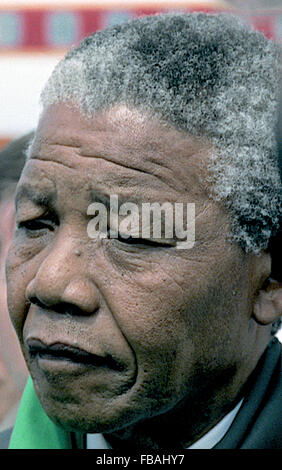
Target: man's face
156,323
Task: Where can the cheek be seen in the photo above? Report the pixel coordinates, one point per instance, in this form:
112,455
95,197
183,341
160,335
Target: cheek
151,312
178,317
21,266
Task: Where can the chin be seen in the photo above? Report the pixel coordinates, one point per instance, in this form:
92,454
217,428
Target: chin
93,416
94,424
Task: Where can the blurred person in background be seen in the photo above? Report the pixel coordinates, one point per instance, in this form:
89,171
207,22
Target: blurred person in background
13,371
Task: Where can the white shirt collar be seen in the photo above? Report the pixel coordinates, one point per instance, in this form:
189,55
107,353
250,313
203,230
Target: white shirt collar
211,438
208,441
96,441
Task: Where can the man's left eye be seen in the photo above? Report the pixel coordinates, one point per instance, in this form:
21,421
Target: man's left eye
143,242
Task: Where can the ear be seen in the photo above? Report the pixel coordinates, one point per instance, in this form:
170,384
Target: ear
268,304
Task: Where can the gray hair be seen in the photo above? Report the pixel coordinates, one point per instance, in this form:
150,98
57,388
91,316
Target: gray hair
209,75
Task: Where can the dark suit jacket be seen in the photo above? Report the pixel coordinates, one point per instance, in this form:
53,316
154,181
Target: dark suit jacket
5,438
258,425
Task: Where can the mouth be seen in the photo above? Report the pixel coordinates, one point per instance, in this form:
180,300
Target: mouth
60,352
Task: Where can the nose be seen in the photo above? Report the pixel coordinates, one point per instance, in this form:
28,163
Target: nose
61,283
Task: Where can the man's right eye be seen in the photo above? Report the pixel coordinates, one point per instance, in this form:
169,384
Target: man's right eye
37,225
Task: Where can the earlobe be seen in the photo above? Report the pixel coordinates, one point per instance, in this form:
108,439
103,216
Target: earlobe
268,304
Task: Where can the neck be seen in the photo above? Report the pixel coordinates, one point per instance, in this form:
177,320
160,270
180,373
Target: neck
192,418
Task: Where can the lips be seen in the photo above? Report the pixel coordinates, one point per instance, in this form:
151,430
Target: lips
63,352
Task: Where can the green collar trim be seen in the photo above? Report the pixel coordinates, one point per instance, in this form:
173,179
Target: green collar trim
34,430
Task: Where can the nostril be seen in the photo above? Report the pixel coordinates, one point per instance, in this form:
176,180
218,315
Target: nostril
35,301
69,309
79,297
62,307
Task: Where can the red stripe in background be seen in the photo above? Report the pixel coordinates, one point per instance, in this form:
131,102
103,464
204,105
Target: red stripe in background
34,28
147,11
34,34
264,24
90,21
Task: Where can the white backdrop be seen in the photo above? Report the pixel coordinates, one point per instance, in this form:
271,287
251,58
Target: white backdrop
21,81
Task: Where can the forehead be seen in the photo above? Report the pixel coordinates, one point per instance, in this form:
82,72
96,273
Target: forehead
118,149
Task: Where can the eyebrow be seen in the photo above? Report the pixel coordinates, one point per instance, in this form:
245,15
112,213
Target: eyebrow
38,198
104,198
48,198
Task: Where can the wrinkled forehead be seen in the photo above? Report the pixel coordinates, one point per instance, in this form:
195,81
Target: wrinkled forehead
107,131
68,115
135,147
128,126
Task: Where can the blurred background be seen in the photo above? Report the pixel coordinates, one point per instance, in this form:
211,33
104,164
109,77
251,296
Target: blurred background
35,34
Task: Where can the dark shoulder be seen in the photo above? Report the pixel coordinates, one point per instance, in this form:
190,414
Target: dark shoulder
5,438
